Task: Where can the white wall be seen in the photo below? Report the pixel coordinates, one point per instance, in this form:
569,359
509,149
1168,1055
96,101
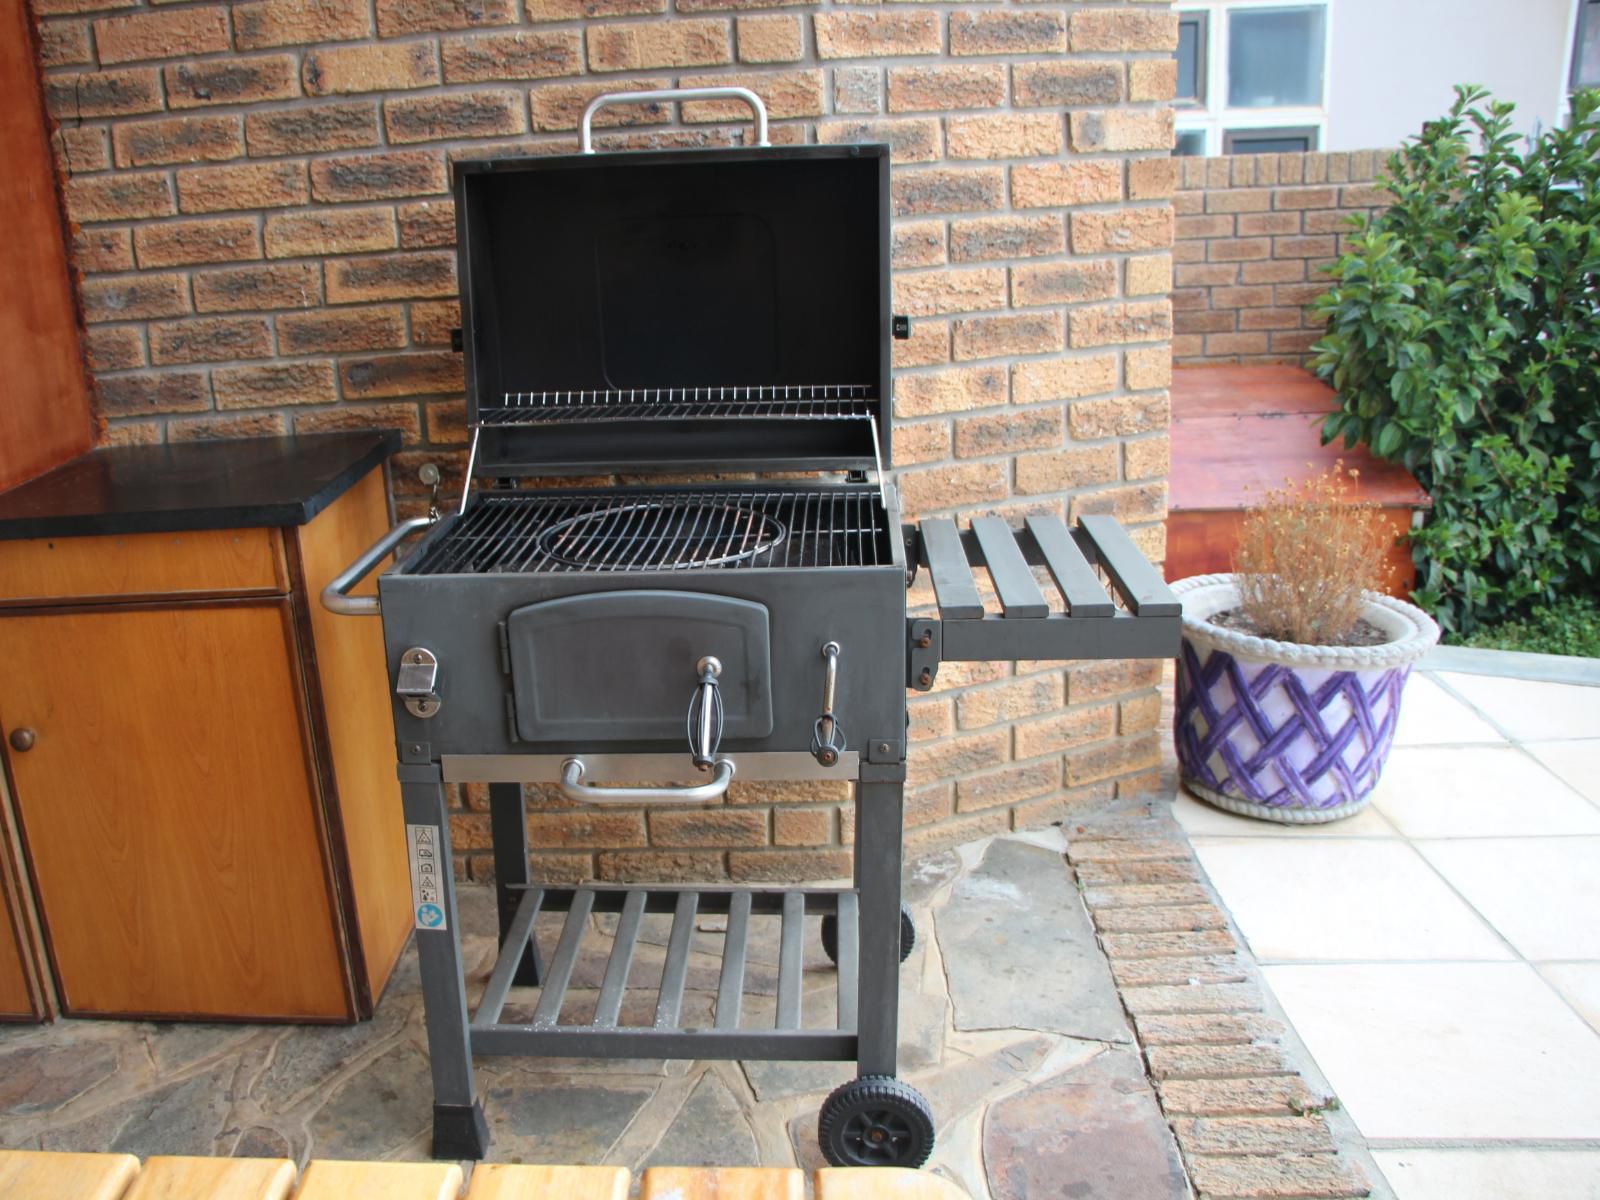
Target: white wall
1393,62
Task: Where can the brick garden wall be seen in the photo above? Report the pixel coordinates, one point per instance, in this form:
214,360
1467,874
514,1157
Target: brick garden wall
1252,232
261,198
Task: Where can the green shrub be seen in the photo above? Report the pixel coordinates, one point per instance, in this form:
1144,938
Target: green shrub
1570,626
1463,328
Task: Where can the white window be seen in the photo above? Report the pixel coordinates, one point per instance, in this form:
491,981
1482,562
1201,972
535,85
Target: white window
1252,76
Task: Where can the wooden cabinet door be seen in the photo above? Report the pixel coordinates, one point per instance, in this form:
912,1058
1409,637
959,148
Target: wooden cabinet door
168,811
44,419
16,976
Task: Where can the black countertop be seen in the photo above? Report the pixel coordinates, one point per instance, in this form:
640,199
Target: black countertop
232,484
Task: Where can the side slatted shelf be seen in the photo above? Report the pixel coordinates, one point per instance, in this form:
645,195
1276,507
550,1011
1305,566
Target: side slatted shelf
783,1035
1130,612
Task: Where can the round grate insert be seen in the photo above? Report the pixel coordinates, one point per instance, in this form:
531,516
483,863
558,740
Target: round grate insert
656,535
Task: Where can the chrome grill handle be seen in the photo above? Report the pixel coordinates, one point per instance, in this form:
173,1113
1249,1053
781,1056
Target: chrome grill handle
827,735
705,714
336,596
586,130
573,788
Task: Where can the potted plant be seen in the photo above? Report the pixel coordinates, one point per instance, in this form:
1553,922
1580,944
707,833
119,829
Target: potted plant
1292,668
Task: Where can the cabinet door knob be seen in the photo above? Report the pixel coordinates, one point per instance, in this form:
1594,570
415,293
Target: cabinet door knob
22,740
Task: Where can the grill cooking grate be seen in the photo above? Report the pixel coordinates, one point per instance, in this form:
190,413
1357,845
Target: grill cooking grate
661,531
836,402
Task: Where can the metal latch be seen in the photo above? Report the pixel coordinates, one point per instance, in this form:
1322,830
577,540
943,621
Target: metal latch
419,673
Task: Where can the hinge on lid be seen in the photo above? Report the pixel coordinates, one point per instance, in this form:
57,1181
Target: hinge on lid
899,326
505,650
456,343
511,717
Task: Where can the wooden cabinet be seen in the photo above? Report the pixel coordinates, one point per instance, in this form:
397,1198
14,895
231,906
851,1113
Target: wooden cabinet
23,995
202,769
45,417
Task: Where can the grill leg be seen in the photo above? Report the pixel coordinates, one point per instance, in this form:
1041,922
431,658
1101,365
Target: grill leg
877,878
459,1130
508,829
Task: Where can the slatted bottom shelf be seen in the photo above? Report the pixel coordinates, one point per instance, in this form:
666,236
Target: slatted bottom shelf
604,1035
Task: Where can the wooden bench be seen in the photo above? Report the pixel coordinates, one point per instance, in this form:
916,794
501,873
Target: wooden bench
36,1175
1238,432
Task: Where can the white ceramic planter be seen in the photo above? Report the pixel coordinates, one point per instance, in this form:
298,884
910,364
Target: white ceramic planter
1286,732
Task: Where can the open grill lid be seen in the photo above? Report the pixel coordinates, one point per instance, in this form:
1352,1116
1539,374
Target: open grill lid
679,311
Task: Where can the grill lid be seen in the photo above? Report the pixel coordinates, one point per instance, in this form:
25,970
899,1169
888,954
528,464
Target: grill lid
721,310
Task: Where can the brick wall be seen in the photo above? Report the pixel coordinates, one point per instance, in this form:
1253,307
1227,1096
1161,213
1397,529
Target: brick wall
264,228
1252,232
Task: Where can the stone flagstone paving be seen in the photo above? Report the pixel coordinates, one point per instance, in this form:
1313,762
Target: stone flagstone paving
1011,1026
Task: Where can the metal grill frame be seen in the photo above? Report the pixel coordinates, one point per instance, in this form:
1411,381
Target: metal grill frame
799,402
850,520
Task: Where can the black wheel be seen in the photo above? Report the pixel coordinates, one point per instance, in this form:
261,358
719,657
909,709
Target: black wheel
875,1121
830,935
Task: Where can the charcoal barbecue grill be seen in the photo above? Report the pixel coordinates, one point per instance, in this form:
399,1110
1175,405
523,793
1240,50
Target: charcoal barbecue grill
680,314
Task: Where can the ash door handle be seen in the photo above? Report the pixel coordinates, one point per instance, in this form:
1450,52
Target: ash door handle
585,127
573,788
336,596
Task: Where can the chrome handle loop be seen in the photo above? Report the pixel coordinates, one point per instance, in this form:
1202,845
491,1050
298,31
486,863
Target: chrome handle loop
573,788
586,130
827,735
705,714
336,596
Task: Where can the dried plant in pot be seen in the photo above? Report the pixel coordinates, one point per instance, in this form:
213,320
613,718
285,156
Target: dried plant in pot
1293,667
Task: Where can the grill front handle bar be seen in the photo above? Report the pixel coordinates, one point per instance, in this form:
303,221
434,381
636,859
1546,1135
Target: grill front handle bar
336,596
573,788
585,127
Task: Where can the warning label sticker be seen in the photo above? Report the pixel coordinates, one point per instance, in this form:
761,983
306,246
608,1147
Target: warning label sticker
427,892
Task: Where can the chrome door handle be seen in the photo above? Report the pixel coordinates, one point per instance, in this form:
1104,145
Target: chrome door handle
573,788
336,596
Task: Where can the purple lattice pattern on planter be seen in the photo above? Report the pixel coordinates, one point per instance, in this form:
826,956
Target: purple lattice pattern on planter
1318,744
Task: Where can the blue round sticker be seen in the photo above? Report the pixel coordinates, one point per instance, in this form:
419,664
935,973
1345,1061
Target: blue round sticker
430,915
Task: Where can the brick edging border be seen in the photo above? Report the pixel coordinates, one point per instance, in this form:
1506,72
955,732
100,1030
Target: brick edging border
1246,1121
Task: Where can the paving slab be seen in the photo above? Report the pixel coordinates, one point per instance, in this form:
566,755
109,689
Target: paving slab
1096,1125
559,1122
710,1130
1019,950
377,1110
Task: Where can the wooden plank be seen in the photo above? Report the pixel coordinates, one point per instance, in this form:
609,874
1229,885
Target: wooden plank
350,674
554,991
497,1181
673,976
171,811
953,585
1141,585
1238,432
730,986
45,418
214,1179
51,1175
882,1183
215,562
1020,596
609,1006
330,1179
723,1183
1080,586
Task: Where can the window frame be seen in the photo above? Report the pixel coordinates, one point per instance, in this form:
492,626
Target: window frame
1309,132
1588,11
1212,117
1202,18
